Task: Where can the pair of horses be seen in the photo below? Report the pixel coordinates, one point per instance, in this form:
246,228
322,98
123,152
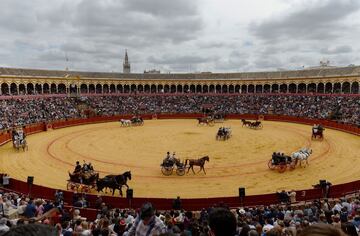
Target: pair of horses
301,155
206,121
20,143
133,121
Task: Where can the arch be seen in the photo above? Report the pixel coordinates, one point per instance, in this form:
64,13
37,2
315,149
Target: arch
46,88
302,88
192,88
38,88
198,88
179,88
112,88
119,88
258,88
237,88
83,88
205,88
153,88
345,87
53,88
133,88
62,88
186,88
92,88
211,88
224,89
337,88
140,88
173,88
13,89
328,87
126,88
244,88
355,88
5,89
147,88
311,88
320,88
283,88
292,88
106,88
218,88
73,89
166,88
98,88
22,89
275,88
160,88
266,88
30,88
251,88
231,88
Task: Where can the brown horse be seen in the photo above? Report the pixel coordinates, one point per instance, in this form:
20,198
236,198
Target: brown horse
245,122
206,121
197,162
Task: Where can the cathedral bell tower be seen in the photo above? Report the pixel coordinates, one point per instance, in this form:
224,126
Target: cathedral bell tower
126,64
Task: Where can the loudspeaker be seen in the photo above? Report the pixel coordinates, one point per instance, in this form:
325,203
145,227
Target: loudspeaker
129,193
241,192
322,183
30,180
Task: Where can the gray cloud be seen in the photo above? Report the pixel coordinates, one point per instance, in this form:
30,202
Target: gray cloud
337,50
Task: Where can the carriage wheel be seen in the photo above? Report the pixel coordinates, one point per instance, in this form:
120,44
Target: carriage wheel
180,171
260,126
68,185
166,171
282,168
270,165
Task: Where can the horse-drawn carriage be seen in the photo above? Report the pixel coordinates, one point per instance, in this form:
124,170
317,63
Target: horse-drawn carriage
317,132
209,120
281,162
135,121
19,139
252,125
223,133
83,179
169,164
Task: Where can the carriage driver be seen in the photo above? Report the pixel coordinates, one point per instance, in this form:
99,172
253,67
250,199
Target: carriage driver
77,167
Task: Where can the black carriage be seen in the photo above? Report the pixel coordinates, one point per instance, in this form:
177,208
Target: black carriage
280,162
256,125
137,121
223,133
168,166
82,181
317,132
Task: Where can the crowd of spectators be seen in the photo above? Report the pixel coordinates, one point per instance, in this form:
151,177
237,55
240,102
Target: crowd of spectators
339,216
15,112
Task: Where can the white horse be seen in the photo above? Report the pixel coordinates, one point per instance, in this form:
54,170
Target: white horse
125,122
302,155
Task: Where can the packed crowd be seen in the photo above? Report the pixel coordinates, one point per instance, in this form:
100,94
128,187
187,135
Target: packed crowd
14,112
334,217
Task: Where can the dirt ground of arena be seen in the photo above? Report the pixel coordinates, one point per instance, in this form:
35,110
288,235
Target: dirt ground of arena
240,161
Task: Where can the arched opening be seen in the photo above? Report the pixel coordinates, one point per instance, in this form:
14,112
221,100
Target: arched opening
179,88
311,88
140,88
337,88
22,89
119,88
205,89
112,88
224,89
133,88
251,88
186,88
283,88
328,88
38,89
292,88
173,88
320,88
73,88
106,88
98,88
160,88
126,88
218,88
166,88
231,88
30,88
46,88
5,89
92,89
83,89
275,88
244,88
192,88
211,88
13,89
302,88
153,88
267,88
198,88
52,88
237,88
345,87
258,88
147,88
355,88
61,89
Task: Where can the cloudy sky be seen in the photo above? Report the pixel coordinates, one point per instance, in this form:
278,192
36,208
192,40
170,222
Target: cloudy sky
179,35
